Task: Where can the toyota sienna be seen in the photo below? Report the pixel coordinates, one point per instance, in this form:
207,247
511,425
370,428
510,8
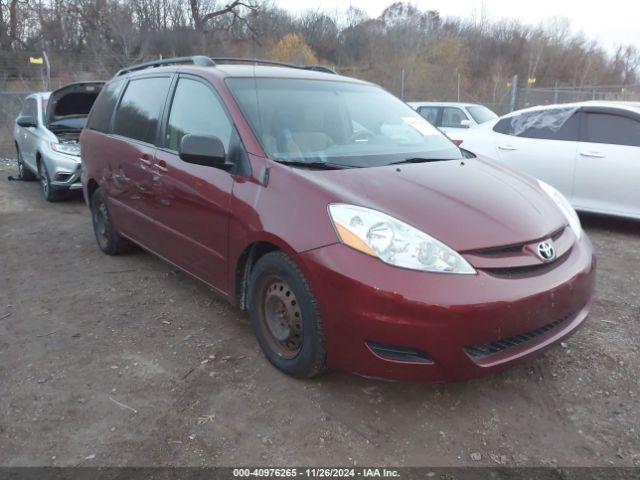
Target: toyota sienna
354,232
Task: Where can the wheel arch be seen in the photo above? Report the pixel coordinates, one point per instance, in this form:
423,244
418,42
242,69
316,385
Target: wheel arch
92,186
248,257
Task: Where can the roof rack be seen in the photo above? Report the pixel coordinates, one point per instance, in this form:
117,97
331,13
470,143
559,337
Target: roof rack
199,60
202,61
317,68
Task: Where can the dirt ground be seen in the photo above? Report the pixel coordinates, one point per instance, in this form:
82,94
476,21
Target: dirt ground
127,361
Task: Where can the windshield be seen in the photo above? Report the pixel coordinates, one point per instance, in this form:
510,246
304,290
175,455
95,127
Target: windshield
481,114
335,122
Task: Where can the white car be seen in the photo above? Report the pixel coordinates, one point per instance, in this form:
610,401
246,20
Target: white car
589,151
453,118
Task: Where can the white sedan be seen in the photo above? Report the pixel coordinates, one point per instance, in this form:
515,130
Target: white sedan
589,151
453,118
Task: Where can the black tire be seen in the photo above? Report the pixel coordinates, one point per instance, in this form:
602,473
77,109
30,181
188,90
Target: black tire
285,317
23,171
49,193
109,239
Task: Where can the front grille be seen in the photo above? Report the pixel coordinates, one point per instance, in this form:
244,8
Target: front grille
399,354
509,249
514,272
491,348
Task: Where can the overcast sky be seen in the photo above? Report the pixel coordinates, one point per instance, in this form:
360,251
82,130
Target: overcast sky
611,22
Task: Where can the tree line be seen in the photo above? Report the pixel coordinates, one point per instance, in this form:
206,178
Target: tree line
96,37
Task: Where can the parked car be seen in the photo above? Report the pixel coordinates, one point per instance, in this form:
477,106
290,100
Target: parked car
47,133
589,151
350,228
454,118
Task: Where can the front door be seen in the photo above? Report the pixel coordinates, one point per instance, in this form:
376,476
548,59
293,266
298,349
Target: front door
192,201
543,144
608,164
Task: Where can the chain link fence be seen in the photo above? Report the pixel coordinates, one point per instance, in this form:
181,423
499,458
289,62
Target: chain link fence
18,78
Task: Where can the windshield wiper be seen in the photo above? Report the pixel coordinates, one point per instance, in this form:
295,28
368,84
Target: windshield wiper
324,165
421,160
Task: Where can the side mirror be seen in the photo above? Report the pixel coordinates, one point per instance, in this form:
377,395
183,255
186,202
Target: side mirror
205,150
465,123
26,121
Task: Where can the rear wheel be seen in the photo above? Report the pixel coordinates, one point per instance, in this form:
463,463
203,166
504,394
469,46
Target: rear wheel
109,239
23,171
50,194
285,317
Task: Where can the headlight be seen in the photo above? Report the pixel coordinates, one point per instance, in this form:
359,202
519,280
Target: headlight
393,241
66,148
564,205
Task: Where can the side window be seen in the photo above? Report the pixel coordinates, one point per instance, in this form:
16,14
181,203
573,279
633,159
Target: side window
504,126
430,114
140,108
30,107
102,111
452,117
195,109
612,129
552,124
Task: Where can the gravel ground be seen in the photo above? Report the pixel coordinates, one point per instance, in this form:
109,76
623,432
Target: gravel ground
127,361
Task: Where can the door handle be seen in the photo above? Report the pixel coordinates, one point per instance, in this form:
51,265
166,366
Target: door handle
144,160
162,166
592,154
507,147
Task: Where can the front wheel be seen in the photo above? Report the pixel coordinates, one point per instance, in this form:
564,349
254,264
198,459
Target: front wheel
23,171
109,239
49,193
285,317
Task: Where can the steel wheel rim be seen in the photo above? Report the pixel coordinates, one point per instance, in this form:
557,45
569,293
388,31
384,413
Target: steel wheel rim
281,318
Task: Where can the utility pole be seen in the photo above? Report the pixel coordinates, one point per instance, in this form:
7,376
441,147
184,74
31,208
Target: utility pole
555,92
402,84
47,78
514,93
458,86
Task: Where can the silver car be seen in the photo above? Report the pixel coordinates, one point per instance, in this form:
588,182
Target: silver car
46,135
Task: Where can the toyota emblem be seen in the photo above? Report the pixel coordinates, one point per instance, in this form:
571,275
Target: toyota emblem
546,251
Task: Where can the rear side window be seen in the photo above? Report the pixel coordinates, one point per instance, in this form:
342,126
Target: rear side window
196,110
140,108
552,124
452,117
430,114
102,111
612,129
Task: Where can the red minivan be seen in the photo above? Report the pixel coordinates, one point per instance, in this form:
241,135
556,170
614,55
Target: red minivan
358,237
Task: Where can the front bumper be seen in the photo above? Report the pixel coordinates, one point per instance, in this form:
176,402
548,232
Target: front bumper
467,325
64,170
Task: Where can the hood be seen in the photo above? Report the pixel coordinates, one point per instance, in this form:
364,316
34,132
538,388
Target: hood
69,106
469,205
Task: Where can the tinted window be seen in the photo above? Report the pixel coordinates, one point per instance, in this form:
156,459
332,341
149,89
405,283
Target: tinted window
452,117
552,124
196,109
100,118
503,126
140,108
613,129
430,114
